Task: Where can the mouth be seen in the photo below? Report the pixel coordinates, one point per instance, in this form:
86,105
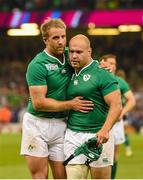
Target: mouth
74,63
61,47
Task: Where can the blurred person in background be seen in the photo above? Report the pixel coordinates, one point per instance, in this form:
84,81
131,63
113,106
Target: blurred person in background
100,87
48,76
127,143
128,100
5,112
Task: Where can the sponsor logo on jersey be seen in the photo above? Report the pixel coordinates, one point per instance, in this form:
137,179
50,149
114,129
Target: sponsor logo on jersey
63,71
91,155
75,82
86,77
51,67
105,160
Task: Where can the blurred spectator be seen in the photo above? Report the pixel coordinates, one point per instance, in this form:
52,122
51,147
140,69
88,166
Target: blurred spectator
5,112
9,5
101,4
5,115
113,4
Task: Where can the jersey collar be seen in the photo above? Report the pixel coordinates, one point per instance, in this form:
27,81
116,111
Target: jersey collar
77,74
56,58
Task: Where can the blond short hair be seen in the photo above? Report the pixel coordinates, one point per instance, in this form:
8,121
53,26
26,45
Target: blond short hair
50,23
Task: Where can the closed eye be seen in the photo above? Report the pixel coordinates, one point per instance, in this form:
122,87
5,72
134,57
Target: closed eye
77,52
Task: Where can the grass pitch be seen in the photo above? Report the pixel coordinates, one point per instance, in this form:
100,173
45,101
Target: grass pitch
13,166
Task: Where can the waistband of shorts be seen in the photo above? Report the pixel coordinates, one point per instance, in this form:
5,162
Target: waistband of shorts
44,119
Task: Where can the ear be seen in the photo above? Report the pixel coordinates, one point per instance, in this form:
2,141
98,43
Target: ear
90,51
44,39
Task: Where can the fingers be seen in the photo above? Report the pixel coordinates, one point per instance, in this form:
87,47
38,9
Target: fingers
101,140
102,137
87,103
84,101
81,105
80,97
84,106
85,109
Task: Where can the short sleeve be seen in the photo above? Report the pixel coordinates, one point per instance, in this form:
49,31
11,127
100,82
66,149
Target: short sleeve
107,82
124,87
36,74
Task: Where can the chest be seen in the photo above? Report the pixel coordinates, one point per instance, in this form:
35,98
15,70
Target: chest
83,85
57,75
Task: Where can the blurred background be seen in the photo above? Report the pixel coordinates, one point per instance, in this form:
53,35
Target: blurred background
113,26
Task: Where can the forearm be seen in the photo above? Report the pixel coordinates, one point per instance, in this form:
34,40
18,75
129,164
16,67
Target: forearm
128,107
52,105
113,115
42,103
130,103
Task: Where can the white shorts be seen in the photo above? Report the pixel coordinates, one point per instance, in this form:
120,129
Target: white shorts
118,132
43,137
75,139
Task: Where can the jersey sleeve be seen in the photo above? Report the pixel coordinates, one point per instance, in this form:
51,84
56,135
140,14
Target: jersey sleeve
36,74
124,87
107,82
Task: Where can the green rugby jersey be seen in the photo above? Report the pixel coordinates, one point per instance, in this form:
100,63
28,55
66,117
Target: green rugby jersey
124,87
93,83
45,69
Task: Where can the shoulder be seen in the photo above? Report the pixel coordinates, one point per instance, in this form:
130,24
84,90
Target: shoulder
38,60
124,86
37,66
121,81
104,72
99,71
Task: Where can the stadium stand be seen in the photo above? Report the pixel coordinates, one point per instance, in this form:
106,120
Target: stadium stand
6,5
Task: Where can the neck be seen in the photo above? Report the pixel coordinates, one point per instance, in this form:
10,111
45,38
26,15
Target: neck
78,69
58,56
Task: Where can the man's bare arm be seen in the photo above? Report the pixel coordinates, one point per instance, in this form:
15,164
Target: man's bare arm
115,107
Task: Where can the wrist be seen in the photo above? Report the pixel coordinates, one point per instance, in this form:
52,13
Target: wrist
68,105
106,128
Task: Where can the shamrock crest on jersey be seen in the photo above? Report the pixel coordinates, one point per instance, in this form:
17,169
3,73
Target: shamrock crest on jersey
86,77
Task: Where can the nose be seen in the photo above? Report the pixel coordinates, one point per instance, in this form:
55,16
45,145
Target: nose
74,55
61,40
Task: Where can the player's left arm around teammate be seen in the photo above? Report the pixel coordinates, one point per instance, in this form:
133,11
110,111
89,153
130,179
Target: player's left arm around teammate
43,103
113,99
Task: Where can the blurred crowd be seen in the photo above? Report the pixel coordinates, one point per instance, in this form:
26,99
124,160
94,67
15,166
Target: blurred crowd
13,91
8,5
128,48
